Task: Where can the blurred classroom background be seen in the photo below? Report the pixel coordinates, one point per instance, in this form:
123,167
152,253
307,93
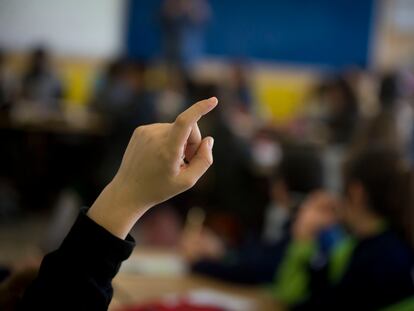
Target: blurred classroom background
300,83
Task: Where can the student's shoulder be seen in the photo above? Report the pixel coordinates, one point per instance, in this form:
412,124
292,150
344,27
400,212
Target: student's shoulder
386,249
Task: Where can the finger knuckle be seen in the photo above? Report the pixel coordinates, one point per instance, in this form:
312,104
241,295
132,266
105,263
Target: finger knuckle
181,120
208,161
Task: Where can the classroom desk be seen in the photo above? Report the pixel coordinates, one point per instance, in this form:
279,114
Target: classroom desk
30,118
130,288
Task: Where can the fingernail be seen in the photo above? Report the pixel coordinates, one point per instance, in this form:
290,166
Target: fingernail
211,142
213,100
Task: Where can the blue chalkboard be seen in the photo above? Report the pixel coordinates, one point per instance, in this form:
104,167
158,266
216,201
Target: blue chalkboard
332,33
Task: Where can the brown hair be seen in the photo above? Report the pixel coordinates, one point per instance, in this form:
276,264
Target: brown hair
388,182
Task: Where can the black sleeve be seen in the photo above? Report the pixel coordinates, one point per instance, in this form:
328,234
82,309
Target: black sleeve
78,275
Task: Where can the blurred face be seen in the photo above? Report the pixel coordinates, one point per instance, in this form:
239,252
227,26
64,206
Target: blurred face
353,204
335,100
40,61
280,194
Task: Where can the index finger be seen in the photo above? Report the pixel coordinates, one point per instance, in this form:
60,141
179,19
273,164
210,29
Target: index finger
184,123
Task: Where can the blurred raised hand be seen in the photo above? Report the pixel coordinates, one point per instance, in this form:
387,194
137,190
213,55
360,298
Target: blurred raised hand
203,244
318,212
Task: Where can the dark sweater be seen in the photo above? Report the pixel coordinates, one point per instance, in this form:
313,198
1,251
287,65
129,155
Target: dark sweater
78,275
254,264
380,273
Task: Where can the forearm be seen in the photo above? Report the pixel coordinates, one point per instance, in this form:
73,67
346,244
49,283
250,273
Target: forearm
112,212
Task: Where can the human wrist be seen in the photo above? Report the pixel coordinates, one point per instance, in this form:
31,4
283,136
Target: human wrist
115,211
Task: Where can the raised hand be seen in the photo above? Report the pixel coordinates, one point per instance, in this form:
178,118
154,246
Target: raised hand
161,161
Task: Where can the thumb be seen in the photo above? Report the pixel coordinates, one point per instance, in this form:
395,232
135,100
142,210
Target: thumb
199,164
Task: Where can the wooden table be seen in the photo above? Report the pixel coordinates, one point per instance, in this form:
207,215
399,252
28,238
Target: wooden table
133,288
33,118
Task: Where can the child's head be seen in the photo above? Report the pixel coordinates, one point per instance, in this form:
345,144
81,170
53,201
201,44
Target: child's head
378,190
299,171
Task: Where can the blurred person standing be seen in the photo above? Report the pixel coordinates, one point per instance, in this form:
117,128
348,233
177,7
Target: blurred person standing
398,109
332,114
240,87
239,109
332,120
183,24
342,110
40,83
370,268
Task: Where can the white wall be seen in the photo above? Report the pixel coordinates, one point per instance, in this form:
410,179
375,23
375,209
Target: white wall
394,44
92,28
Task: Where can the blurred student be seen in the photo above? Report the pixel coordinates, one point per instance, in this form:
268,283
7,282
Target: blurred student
335,112
398,109
8,85
113,92
343,110
124,103
370,269
183,23
40,83
299,173
161,161
240,91
121,96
